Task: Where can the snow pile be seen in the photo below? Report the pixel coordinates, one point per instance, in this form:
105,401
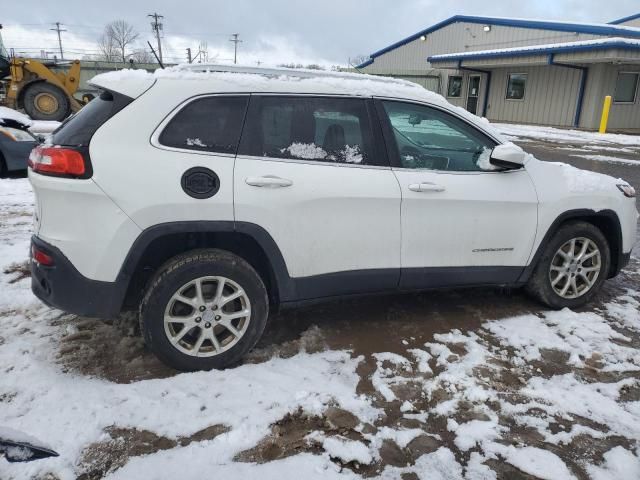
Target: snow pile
35,126
306,151
484,160
347,450
534,461
585,181
619,464
311,151
11,114
195,142
560,135
607,158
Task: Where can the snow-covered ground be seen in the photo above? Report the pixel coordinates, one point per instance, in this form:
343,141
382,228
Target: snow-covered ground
561,135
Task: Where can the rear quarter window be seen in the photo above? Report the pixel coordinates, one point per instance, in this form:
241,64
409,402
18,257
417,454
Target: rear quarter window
78,129
208,124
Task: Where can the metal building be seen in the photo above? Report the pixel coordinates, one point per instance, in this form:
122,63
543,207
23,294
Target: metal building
525,71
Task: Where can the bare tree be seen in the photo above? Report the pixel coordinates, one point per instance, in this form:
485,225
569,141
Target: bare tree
107,48
141,55
116,39
358,60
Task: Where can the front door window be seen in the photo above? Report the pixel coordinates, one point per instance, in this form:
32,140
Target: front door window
428,138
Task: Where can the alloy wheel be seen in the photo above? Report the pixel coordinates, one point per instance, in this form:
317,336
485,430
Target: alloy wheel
575,267
207,316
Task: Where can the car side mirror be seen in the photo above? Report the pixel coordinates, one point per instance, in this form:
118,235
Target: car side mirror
507,156
19,447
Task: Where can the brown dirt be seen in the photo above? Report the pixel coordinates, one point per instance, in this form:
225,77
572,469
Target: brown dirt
19,270
100,459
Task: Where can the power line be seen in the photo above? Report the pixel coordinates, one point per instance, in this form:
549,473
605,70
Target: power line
156,26
235,46
59,30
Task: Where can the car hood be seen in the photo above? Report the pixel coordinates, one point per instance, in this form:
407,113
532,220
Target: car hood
571,180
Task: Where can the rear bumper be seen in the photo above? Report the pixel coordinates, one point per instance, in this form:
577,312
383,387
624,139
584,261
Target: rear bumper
62,286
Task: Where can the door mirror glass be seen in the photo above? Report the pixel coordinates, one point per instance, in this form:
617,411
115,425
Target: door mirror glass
507,156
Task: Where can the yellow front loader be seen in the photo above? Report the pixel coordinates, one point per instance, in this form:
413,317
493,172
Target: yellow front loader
32,85
41,92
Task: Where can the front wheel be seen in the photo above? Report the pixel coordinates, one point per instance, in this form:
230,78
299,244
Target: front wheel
204,310
572,268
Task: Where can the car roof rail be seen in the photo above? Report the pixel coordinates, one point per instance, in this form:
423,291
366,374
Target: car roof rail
279,71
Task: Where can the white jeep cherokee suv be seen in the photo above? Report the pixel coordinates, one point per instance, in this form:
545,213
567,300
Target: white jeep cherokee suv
202,199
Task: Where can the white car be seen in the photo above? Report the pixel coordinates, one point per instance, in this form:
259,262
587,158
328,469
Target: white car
203,199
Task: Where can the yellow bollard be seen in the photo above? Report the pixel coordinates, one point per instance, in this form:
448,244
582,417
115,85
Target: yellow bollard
605,114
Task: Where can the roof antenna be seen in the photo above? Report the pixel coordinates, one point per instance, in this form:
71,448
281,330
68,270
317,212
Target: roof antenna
154,54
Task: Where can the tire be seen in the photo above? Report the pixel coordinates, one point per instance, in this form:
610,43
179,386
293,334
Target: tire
589,271
35,91
3,167
179,276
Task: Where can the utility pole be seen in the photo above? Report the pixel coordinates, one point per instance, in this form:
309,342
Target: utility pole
156,27
235,46
59,30
189,54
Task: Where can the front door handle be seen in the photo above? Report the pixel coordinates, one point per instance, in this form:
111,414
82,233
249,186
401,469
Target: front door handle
269,181
426,187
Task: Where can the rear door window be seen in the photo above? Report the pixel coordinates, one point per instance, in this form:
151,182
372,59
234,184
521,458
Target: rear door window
323,129
208,124
78,129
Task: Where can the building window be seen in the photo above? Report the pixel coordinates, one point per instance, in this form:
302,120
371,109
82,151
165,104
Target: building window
454,88
515,86
626,87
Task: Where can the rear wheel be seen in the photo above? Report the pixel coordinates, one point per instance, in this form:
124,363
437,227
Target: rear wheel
44,101
572,267
204,310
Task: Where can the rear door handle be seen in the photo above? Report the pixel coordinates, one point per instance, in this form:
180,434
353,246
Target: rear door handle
269,181
426,187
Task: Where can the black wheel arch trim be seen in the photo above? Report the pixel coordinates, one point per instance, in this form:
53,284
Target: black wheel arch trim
617,262
285,285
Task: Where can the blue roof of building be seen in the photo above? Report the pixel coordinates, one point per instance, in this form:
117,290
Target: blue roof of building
567,47
590,28
625,19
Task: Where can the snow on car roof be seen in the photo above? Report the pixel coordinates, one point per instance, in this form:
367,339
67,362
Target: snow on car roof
238,79
247,78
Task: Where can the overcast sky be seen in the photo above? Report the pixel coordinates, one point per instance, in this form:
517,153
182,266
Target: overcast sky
273,31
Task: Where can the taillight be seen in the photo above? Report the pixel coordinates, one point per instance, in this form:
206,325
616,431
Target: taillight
57,161
40,257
